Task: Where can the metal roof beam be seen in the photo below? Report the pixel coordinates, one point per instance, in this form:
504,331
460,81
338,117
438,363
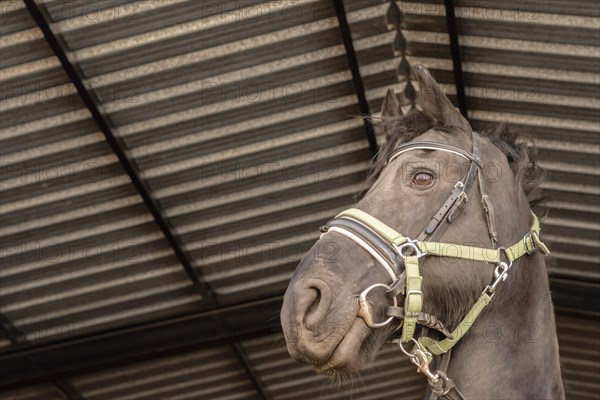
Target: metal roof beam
68,390
252,375
359,88
10,332
456,58
119,149
18,339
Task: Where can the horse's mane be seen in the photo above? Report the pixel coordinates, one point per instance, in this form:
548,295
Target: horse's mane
519,149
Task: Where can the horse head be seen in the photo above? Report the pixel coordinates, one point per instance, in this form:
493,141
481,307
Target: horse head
434,179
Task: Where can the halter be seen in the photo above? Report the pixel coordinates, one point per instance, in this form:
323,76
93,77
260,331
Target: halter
400,256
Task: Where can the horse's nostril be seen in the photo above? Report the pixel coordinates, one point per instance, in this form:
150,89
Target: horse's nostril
315,295
316,299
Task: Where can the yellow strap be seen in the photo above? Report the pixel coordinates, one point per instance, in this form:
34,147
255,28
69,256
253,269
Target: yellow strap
459,251
528,244
442,346
373,223
413,301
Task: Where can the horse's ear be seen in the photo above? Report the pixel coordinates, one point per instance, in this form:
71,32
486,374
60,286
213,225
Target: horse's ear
390,109
391,105
435,104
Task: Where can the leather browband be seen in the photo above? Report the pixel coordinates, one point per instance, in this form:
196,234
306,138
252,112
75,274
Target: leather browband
424,145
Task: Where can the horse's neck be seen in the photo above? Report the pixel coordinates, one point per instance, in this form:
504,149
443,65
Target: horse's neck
512,350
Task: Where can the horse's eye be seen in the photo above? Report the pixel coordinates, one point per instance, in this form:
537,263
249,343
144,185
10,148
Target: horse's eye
422,179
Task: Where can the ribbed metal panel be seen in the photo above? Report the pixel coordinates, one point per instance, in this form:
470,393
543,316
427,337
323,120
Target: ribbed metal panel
209,374
248,100
80,253
422,38
580,356
391,375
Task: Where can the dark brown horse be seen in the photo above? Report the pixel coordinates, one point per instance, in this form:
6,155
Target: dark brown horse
434,179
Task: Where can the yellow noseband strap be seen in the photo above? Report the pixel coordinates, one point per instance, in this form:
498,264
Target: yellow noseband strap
374,224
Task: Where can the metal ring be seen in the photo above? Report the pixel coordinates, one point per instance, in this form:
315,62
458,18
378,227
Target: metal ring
500,269
404,351
365,311
409,244
503,250
411,355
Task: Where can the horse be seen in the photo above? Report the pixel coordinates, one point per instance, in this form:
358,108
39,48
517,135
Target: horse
474,312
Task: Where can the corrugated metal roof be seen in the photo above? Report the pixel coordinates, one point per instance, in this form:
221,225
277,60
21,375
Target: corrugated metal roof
80,253
580,356
252,104
243,119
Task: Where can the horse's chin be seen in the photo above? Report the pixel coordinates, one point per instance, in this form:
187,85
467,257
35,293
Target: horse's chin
350,354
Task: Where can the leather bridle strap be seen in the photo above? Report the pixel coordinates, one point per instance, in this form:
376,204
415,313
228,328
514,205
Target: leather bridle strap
453,206
444,388
424,145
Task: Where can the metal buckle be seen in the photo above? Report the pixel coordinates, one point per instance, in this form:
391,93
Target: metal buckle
365,311
528,243
411,244
461,196
407,302
502,250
